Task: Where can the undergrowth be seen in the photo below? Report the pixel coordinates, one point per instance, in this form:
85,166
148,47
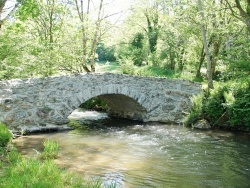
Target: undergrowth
227,105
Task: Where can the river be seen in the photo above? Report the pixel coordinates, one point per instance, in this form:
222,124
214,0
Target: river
135,154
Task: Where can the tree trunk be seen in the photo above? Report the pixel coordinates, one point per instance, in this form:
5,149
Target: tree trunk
204,38
172,59
216,49
2,4
202,57
182,59
96,38
152,28
80,11
51,25
244,15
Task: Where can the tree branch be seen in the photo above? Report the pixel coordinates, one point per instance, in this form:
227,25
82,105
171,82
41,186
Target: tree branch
242,12
232,11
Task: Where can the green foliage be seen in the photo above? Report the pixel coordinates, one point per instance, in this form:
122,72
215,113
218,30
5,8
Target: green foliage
127,66
105,53
12,157
239,110
138,40
5,135
195,111
94,103
232,99
213,104
29,9
51,149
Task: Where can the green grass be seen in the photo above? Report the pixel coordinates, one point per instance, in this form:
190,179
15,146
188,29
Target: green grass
51,149
5,135
106,66
128,67
30,172
156,72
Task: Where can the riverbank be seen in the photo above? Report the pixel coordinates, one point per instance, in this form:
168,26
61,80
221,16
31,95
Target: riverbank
37,171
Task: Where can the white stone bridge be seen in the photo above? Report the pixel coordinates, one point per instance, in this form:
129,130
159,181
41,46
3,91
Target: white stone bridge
39,102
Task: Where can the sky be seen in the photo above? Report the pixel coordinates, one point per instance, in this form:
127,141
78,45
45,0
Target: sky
121,7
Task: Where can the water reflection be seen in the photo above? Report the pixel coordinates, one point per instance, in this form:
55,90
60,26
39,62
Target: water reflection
148,155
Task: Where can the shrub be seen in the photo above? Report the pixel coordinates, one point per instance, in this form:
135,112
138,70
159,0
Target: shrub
195,111
213,104
240,109
232,100
127,66
5,135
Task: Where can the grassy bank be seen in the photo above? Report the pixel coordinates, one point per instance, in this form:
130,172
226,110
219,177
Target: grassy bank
37,172
128,67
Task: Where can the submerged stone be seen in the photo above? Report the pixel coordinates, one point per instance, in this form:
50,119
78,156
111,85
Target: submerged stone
202,124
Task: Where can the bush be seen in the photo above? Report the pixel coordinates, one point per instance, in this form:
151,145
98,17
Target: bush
240,110
127,66
232,100
213,104
5,135
196,110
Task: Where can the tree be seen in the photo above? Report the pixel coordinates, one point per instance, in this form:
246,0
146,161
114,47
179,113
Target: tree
205,43
90,38
9,12
96,38
152,17
137,45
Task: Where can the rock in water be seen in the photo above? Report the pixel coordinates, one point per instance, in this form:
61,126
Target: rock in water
202,124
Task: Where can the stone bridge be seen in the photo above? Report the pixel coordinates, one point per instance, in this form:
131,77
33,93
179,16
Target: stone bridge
40,102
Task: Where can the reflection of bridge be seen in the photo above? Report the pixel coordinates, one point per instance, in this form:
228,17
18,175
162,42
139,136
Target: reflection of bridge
40,101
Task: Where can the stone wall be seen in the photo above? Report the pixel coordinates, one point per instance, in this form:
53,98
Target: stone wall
38,102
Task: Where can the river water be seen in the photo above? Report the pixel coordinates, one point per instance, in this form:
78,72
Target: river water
135,154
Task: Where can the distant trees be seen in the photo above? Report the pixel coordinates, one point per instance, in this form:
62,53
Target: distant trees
174,40
46,37
54,36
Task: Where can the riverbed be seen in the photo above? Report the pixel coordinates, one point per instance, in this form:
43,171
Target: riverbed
134,154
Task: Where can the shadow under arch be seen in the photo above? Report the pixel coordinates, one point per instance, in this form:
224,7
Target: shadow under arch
118,105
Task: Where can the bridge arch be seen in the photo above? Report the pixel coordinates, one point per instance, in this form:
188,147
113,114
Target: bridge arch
42,101
121,102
